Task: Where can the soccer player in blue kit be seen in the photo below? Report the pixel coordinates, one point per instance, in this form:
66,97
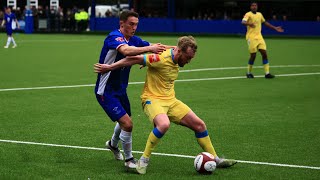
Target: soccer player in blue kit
111,87
9,19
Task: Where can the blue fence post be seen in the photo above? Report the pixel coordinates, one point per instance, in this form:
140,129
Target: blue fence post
29,22
93,16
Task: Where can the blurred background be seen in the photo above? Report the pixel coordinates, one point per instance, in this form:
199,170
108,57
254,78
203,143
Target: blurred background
173,15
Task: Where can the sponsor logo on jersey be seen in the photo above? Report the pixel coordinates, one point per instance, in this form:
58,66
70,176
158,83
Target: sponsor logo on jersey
120,39
153,58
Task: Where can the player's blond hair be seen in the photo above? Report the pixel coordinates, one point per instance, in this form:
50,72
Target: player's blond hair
185,42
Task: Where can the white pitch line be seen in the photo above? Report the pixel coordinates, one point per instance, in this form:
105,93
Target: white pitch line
154,153
52,41
179,80
230,68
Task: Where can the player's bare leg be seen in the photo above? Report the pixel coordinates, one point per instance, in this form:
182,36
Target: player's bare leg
162,124
192,121
250,65
266,64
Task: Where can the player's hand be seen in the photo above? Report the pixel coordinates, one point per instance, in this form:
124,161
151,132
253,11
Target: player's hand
157,48
279,29
101,68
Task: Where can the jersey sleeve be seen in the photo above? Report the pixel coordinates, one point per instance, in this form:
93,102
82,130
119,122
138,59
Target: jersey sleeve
246,17
262,19
152,60
114,41
142,43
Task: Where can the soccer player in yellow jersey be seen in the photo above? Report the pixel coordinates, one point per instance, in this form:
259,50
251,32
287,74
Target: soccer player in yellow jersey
253,21
159,101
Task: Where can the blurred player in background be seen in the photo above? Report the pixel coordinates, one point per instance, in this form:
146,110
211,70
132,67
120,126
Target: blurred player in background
111,87
11,23
159,101
253,21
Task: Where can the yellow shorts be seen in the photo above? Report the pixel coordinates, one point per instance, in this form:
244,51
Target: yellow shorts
255,44
174,108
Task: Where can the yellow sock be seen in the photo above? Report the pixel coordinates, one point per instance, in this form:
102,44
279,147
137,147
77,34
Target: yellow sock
153,139
266,68
205,142
206,145
249,68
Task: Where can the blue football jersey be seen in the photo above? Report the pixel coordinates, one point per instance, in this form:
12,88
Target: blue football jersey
115,81
9,19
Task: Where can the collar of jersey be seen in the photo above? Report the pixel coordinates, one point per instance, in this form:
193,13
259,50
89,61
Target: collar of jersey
123,36
172,56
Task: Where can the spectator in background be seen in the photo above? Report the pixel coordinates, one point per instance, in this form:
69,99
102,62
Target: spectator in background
318,18
84,19
274,17
69,18
18,13
41,13
284,18
35,18
77,18
108,13
60,18
52,19
47,15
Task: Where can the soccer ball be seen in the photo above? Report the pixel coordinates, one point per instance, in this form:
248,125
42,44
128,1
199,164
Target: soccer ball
204,163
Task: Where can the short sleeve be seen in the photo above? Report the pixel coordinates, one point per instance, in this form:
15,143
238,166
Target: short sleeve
152,60
142,43
246,17
114,41
262,19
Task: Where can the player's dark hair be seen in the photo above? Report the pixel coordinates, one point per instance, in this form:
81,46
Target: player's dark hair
126,14
254,2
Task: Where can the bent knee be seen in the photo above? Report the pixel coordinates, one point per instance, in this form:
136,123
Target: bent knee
199,126
126,125
163,127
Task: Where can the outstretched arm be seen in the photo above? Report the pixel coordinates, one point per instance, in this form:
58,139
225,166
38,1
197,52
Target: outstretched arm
276,28
128,61
132,50
2,24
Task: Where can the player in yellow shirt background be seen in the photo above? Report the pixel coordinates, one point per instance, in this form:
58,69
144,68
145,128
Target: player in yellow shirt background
253,21
159,101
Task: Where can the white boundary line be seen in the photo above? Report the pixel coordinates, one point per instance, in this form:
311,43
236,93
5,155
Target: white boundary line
230,68
179,80
154,153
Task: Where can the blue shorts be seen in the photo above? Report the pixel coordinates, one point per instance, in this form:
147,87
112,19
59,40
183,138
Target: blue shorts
9,32
115,106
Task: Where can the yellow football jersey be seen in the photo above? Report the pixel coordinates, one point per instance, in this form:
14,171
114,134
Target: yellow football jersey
161,73
257,19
